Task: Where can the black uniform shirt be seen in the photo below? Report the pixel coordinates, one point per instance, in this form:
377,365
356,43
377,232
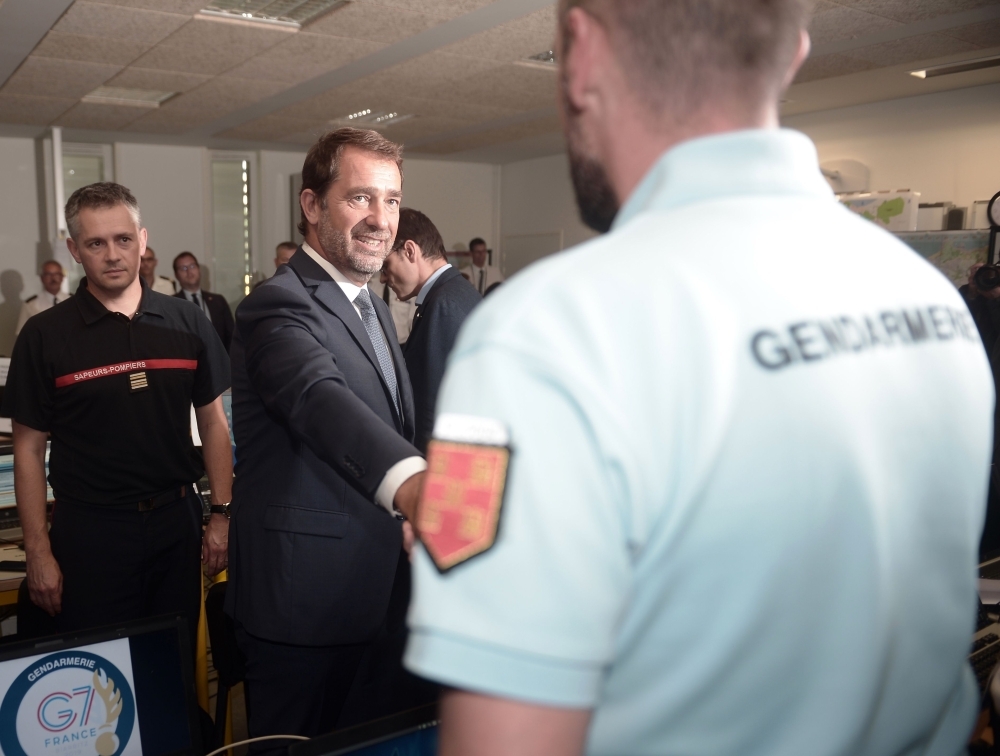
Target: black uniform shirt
116,394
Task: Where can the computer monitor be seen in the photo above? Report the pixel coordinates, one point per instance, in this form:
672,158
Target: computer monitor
409,733
117,691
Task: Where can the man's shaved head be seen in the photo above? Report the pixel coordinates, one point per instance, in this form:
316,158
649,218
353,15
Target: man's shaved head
681,54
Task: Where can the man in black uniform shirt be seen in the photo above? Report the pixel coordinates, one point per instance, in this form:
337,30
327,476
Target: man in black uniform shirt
111,374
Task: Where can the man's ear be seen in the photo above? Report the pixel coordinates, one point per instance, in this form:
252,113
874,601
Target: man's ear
311,206
805,45
411,250
143,237
579,40
73,250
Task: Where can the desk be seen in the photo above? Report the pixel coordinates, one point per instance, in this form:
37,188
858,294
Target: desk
10,581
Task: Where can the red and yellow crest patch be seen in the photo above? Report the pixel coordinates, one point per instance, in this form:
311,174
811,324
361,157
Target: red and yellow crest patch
460,505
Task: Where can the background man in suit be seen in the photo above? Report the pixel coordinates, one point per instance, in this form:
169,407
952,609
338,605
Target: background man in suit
188,273
52,294
417,268
323,417
484,277
283,253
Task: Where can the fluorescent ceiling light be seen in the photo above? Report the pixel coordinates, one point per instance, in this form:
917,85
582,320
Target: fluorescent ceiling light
373,119
954,68
292,14
137,98
545,60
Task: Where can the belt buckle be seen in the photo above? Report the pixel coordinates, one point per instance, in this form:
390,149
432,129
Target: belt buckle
146,505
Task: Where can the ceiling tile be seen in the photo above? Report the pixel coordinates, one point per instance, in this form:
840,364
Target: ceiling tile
441,8
48,77
117,52
833,23
914,10
115,22
161,81
512,86
520,38
463,111
269,128
828,66
188,7
303,57
432,76
547,125
420,127
210,60
87,115
24,109
306,137
250,39
376,23
162,121
212,100
911,49
986,34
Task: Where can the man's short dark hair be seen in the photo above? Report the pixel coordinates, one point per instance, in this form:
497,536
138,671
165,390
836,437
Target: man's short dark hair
680,54
287,245
476,241
185,254
100,195
416,227
322,165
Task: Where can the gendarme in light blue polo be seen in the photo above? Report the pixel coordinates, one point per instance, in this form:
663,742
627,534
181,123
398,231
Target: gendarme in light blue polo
751,434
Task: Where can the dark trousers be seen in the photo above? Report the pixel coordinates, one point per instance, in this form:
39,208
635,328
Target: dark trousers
120,564
303,690
294,690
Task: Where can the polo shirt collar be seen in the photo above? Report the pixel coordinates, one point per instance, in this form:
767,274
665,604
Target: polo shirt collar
737,163
92,310
429,283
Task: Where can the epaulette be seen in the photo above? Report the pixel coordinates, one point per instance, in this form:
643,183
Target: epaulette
32,298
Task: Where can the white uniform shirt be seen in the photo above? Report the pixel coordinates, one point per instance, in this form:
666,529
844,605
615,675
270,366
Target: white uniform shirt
36,304
402,312
483,278
745,496
164,285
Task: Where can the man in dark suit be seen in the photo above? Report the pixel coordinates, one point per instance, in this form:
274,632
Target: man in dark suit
188,273
323,419
417,268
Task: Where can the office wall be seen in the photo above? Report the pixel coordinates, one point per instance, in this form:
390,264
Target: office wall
945,146
275,204
21,247
460,198
168,182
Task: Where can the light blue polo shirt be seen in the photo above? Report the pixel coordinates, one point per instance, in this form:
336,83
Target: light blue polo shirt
751,435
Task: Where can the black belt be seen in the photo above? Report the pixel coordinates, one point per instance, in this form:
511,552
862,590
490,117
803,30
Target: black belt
148,505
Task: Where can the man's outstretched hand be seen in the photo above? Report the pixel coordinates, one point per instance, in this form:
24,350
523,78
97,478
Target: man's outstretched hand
408,496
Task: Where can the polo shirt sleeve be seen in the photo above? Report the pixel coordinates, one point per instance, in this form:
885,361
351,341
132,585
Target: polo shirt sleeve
213,375
534,617
29,395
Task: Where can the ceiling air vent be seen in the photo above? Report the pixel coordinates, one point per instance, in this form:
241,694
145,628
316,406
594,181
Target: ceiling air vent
961,67
137,98
292,14
371,119
546,60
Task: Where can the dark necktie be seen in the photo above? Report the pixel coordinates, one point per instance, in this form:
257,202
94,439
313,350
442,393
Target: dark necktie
482,278
370,320
197,302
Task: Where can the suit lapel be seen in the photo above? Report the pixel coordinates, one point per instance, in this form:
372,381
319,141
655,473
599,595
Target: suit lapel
328,293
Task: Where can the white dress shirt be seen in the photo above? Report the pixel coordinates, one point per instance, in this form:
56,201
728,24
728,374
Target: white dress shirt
403,470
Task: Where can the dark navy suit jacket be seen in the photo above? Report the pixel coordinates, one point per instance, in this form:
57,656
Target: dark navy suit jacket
220,315
435,328
311,556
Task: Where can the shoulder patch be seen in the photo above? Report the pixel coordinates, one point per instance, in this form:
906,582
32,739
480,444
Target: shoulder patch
459,512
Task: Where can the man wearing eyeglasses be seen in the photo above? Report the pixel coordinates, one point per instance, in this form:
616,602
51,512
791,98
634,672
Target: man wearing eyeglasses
215,306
